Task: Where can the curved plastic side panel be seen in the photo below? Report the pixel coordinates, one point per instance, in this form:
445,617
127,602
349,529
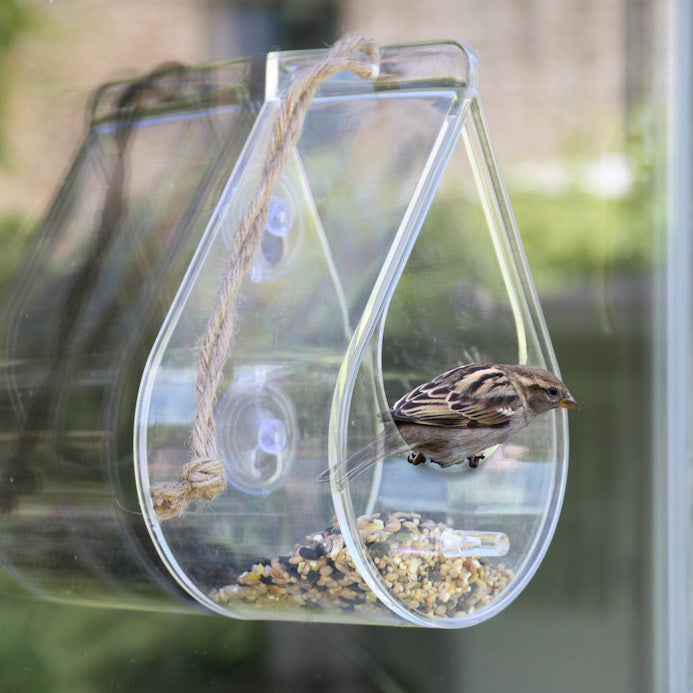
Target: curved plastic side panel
463,294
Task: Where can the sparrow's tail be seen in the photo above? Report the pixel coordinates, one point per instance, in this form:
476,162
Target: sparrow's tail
389,442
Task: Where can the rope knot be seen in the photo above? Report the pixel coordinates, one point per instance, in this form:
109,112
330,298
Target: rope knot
205,475
203,478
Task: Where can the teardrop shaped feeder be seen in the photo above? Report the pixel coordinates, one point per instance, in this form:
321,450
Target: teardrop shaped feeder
389,254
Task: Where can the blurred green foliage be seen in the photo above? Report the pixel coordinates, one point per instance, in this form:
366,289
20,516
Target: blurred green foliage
54,648
15,18
575,234
15,237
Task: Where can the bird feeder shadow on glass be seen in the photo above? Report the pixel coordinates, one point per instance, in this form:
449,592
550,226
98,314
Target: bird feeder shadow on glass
390,255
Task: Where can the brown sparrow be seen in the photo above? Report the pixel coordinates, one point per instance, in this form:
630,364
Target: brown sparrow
462,412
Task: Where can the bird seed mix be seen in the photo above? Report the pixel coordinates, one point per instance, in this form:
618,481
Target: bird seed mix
405,548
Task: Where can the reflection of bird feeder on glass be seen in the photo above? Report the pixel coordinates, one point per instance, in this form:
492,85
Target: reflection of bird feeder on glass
363,242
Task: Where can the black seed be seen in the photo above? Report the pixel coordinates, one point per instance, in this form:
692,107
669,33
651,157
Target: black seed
266,579
313,576
336,572
378,549
320,550
291,569
308,553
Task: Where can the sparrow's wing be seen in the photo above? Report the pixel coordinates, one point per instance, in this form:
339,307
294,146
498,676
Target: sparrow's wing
466,397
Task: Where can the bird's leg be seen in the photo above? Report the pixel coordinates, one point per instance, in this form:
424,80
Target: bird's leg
416,458
474,461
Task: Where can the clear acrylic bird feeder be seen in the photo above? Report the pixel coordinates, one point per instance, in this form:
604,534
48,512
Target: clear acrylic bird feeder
390,254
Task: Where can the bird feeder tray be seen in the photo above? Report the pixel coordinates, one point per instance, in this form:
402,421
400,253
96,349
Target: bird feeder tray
390,254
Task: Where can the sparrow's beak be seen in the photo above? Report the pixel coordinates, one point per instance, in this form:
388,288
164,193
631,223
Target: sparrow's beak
568,403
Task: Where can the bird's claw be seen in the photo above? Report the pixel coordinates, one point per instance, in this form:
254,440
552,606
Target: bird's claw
416,458
474,461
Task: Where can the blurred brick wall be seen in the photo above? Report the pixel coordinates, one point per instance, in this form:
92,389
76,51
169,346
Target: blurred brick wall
548,69
70,48
553,74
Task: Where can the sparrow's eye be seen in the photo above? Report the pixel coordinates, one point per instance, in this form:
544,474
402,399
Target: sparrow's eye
553,391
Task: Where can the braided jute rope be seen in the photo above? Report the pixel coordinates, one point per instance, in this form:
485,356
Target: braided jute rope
203,477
